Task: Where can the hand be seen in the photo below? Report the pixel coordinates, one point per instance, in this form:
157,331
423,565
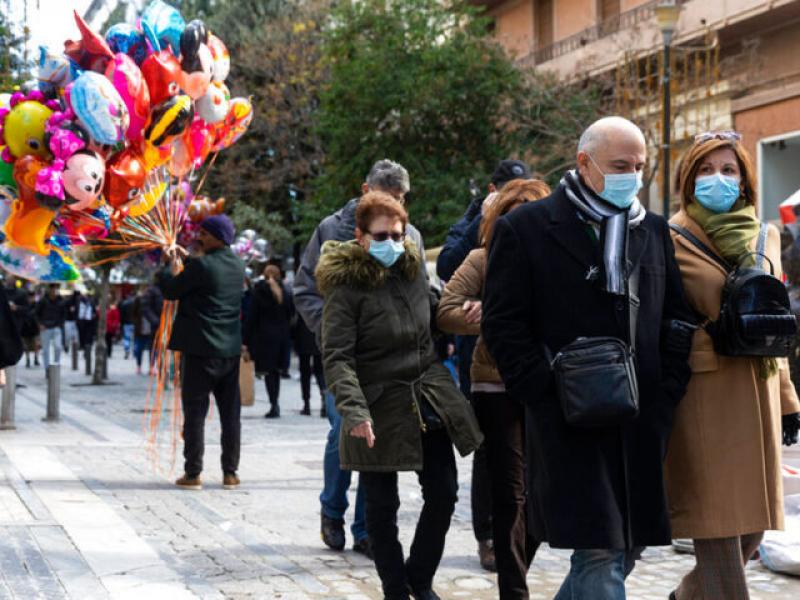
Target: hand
246,354
364,430
472,310
451,349
175,255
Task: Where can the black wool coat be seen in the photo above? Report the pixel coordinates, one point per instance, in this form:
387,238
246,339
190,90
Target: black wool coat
267,332
588,488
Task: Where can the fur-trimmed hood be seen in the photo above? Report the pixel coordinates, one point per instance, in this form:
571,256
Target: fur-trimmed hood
347,263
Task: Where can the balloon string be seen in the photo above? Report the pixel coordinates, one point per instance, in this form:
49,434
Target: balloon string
205,174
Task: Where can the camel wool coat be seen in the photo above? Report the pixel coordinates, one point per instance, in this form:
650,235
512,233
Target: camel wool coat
723,467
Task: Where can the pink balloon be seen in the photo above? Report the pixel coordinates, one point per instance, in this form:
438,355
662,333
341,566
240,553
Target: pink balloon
128,81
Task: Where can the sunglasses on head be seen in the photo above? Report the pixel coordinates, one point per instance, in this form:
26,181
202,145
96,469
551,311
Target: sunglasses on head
382,236
728,136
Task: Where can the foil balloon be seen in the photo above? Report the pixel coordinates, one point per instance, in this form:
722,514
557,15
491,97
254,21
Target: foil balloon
55,72
125,177
73,229
126,39
169,120
99,108
129,83
213,106
6,172
29,223
202,207
53,267
163,25
182,161
196,59
91,52
155,156
221,58
146,201
162,72
238,119
22,125
193,37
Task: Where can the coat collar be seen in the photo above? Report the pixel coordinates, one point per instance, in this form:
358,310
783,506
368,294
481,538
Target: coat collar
572,234
683,219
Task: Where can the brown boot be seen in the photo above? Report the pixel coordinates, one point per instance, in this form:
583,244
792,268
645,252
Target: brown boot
486,555
230,481
190,483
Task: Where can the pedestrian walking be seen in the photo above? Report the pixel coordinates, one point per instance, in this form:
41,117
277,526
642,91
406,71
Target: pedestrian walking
575,284
112,327
737,409
126,321
71,321
10,340
399,406
267,332
30,331
208,333
146,318
310,360
502,419
392,178
462,238
50,314
87,322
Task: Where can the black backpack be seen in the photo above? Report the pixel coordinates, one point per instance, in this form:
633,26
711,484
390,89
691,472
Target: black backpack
755,318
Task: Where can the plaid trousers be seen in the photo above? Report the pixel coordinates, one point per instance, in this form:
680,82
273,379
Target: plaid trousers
719,572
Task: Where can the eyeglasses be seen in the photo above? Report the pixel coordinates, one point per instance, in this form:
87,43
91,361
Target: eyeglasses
382,236
728,136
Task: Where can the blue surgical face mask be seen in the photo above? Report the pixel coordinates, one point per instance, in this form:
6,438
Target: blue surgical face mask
717,192
386,252
620,189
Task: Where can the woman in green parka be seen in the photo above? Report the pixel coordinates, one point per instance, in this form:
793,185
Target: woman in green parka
400,408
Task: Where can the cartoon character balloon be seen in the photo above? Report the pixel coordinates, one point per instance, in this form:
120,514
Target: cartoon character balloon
162,72
22,125
196,59
126,185
213,106
99,108
238,119
220,56
129,83
91,52
126,39
162,25
202,207
55,72
168,120
29,222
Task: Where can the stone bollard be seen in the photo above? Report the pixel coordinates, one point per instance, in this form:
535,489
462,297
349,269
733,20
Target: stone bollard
74,350
53,392
9,393
87,355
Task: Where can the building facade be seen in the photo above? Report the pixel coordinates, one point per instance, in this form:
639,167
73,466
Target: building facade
737,65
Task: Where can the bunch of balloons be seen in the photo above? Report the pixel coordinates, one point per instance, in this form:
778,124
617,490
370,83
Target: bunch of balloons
115,121
251,248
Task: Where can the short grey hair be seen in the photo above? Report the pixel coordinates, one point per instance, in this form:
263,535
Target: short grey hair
597,133
387,175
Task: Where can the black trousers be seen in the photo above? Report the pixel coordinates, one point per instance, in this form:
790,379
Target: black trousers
272,380
311,364
502,421
201,377
439,481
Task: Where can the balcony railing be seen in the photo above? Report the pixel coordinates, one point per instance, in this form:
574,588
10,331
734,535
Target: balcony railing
622,21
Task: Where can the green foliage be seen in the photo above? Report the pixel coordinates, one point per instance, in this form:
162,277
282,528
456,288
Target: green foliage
13,71
420,82
267,225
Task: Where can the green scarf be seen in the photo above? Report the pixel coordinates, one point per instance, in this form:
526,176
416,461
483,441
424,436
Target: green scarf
732,234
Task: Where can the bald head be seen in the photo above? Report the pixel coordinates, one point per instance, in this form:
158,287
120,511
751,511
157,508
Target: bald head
611,145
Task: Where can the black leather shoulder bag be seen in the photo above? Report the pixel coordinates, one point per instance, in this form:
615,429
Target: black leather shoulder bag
596,376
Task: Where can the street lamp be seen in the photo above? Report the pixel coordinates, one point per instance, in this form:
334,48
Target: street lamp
667,13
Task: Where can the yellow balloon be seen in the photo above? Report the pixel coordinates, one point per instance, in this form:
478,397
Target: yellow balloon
24,129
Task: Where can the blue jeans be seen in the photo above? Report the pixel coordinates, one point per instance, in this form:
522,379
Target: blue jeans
127,337
598,574
337,481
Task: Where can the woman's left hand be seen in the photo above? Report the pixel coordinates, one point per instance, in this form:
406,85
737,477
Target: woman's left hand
364,430
473,312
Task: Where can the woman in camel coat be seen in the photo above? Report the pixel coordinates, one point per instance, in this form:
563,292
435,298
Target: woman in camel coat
723,462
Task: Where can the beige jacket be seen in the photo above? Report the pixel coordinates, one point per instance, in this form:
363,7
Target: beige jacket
723,467
467,284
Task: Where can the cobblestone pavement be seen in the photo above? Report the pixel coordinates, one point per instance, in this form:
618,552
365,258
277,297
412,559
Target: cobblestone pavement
84,514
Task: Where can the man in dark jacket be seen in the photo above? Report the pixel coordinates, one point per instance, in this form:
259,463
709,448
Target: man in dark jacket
559,269
461,240
208,333
51,313
392,178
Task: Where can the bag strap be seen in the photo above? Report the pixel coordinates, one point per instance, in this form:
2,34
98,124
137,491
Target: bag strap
633,304
701,246
762,242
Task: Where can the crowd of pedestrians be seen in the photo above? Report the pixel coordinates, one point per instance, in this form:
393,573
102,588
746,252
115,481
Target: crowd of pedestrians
615,391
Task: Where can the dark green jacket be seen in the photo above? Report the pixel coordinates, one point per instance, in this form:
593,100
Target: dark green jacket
210,293
380,360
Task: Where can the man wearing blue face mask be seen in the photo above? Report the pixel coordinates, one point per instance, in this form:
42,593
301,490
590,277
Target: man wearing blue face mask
589,265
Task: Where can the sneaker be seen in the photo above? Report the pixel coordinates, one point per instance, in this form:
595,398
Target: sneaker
486,555
363,546
230,481
306,412
190,482
332,531
274,412
323,412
